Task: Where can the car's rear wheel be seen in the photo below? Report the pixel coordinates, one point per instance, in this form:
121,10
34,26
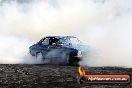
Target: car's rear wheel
72,61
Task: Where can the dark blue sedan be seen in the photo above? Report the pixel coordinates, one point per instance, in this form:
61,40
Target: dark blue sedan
65,50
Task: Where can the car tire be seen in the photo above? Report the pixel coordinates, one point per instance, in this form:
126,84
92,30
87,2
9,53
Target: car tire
39,57
37,54
72,61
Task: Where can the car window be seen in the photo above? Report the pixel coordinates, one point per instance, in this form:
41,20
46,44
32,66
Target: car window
46,41
63,41
50,41
53,41
74,41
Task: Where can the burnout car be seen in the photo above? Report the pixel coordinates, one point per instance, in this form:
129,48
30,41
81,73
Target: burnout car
66,50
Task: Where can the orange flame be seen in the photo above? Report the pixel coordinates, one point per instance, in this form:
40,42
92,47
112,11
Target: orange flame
81,71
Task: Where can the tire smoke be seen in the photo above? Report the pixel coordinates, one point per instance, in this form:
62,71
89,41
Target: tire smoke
105,25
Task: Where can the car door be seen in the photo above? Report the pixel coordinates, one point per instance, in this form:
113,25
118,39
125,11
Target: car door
55,52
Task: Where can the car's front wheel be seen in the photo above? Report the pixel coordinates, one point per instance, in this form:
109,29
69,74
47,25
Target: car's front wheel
39,57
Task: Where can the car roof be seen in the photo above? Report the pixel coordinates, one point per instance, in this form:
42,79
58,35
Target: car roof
60,37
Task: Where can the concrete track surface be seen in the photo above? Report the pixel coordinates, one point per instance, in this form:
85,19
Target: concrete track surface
53,76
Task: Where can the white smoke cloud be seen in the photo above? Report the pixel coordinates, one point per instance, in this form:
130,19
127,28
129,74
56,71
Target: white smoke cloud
105,25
